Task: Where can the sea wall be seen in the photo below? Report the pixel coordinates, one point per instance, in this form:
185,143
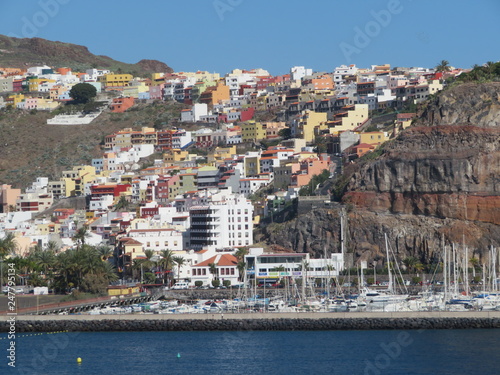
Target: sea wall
219,322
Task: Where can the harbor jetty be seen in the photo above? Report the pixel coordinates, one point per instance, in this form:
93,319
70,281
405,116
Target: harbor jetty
257,322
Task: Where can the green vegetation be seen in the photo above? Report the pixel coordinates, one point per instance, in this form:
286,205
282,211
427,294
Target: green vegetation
83,93
82,269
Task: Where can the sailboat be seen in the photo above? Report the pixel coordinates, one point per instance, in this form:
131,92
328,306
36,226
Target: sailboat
387,300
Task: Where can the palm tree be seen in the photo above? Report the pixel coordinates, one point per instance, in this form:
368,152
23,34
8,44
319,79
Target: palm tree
122,204
80,236
105,252
166,263
45,260
240,253
474,262
53,246
8,245
180,262
212,267
241,266
410,263
443,66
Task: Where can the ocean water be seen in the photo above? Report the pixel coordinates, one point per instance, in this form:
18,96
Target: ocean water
293,352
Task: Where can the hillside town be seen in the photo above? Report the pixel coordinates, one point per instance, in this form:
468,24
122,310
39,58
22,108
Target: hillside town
246,147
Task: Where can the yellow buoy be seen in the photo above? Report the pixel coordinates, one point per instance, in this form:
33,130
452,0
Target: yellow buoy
78,360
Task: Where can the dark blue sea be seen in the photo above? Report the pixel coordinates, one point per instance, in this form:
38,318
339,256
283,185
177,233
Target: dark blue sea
296,352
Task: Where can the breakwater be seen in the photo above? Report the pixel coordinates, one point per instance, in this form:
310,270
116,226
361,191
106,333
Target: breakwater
256,322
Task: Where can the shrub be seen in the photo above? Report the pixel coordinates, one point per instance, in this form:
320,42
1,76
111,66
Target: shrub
198,283
226,283
215,283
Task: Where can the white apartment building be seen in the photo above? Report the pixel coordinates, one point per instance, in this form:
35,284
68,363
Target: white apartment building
158,239
342,71
194,114
221,219
299,72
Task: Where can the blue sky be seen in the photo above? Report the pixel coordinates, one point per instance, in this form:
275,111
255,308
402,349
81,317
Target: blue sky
220,35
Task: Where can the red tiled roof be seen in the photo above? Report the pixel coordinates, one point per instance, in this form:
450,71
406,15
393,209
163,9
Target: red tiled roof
224,261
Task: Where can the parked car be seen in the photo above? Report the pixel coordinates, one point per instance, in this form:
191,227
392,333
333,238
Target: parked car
181,285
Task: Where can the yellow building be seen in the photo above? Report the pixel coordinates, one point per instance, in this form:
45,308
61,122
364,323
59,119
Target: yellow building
34,83
252,131
81,175
221,153
305,124
252,165
46,104
123,138
350,119
115,80
173,157
135,89
65,187
15,99
373,138
200,75
123,290
48,228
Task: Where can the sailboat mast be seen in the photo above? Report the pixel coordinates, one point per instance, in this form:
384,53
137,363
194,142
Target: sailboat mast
390,287
445,272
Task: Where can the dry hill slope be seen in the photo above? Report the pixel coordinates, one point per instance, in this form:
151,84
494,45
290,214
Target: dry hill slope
26,52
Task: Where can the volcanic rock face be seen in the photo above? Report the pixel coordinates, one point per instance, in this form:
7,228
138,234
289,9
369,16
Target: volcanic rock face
408,235
471,103
448,172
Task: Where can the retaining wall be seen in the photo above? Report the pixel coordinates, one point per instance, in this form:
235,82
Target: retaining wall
257,322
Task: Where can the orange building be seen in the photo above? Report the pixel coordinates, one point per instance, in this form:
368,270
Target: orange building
362,149
120,105
215,94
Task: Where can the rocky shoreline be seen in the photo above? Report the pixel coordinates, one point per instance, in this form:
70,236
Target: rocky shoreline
219,322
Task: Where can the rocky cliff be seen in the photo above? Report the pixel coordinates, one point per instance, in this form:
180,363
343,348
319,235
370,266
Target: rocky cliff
442,171
469,103
437,183
408,235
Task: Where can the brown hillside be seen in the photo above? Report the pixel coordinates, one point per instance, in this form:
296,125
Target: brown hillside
22,53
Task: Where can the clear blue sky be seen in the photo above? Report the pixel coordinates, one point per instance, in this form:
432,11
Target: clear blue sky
220,35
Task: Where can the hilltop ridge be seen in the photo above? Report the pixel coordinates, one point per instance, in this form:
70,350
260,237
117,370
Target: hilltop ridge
25,52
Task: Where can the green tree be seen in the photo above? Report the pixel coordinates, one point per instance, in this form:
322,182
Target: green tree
240,253
443,66
8,245
82,93
180,262
241,266
166,263
285,133
79,237
212,267
122,204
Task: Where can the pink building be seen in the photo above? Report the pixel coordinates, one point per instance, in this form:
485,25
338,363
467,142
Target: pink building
156,92
8,197
308,168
